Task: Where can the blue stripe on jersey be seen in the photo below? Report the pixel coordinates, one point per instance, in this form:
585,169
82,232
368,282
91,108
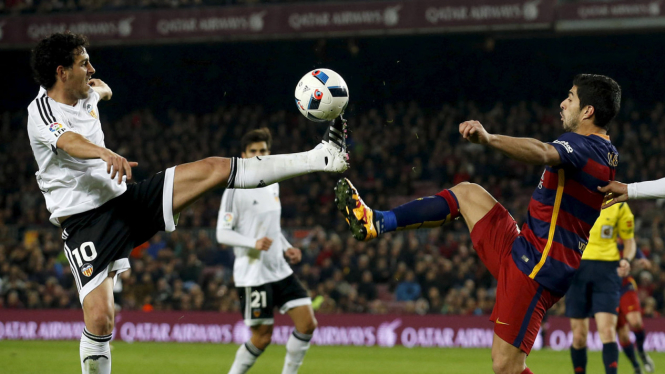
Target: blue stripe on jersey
554,275
562,236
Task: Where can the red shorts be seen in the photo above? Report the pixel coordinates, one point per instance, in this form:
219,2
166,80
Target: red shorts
521,302
630,302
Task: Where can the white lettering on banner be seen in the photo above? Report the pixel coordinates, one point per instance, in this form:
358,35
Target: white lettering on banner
122,27
619,10
186,333
253,22
527,11
388,17
45,330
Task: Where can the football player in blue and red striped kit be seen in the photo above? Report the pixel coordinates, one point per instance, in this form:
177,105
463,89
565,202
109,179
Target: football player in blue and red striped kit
533,265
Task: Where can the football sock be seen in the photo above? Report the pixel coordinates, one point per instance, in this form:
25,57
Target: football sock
95,353
639,341
527,371
579,359
611,357
262,171
629,350
336,134
245,357
296,347
426,212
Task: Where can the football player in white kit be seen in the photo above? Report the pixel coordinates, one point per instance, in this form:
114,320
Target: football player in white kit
84,183
250,222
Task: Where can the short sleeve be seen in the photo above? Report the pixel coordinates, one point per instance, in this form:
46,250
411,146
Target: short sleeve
572,149
626,222
47,125
228,212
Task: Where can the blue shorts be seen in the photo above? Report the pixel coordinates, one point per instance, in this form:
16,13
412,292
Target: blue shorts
595,288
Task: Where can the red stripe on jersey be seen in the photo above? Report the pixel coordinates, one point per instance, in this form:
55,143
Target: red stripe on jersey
573,224
538,243
550,180
540,211
583,194
598,171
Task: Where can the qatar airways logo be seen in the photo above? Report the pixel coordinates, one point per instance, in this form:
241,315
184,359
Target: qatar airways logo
389,16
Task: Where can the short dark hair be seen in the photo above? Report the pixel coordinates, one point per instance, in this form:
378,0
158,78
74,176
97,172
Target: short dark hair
53,51
255,136
602,93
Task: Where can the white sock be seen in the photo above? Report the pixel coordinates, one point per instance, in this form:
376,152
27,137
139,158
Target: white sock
296,347
245,358
95,353
262,171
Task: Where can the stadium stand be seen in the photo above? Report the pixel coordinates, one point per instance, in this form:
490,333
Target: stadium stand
433,271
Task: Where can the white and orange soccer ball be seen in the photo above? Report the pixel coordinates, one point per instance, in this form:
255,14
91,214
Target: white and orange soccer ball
322,95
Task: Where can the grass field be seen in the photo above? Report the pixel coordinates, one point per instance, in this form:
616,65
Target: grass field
27,357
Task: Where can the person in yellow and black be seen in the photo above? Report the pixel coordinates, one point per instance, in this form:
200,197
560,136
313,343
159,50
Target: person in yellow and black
596,286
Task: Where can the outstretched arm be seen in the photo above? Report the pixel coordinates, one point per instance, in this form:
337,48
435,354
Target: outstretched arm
617,192
527,150
77,146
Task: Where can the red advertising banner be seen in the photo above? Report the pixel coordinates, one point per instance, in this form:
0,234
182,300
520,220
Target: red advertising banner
337,329
290,20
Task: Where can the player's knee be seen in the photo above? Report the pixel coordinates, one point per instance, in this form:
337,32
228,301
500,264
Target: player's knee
501,365
101,322
310,326
607,333
579,339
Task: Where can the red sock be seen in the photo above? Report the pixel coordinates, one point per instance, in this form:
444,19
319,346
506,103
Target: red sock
527,371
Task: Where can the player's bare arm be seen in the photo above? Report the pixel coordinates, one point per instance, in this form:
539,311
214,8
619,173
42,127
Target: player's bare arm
101,88
77,146
629,250
527,150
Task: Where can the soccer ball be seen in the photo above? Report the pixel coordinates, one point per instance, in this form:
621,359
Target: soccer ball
321,95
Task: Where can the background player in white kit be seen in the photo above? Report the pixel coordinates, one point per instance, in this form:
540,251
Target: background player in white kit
250,222
84,183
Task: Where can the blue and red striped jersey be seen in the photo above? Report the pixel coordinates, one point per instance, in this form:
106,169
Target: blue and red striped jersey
563,209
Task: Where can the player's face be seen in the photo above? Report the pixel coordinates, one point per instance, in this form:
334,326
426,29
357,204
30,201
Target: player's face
256,149
570,110
78,76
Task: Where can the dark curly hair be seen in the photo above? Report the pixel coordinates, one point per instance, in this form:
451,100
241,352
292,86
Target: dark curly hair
53,51
602,93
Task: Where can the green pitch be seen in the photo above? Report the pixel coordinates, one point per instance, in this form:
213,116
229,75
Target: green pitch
54,357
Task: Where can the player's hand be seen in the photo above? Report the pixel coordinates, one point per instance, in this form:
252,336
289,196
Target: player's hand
294,255
643,263
101,88
263,244
474,132
615,192
118,164
624,268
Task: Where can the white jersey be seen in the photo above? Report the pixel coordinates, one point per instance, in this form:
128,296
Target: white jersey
254,214
70,185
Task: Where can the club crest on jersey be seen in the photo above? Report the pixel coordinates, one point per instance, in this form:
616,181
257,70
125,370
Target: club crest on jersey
91,111
87,270
256,312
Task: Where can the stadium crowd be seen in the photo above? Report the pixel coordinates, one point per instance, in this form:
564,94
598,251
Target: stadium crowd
398,152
